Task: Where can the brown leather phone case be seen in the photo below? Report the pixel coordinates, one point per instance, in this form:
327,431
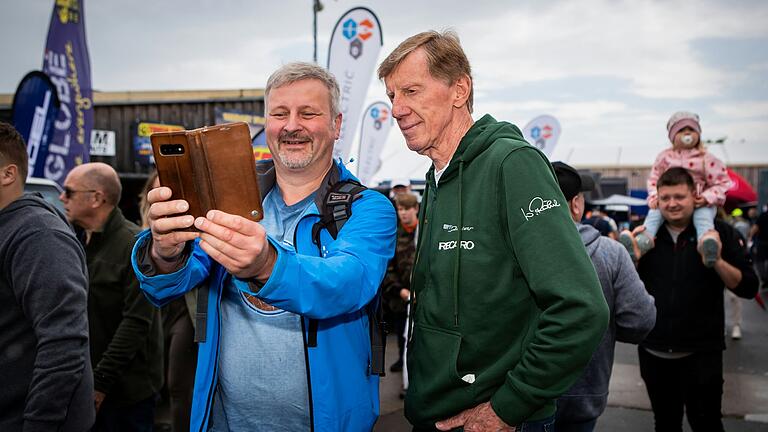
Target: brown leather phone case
211,168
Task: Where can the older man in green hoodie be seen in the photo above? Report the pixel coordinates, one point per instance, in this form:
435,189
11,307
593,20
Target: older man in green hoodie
507,307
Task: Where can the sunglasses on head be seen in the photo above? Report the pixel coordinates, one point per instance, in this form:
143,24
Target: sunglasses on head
68,192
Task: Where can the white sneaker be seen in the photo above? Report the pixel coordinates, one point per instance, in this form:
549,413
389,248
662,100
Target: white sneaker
736,333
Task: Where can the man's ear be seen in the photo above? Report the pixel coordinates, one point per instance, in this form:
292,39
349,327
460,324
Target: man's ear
98,199
462,88
337,126
576,207
8,174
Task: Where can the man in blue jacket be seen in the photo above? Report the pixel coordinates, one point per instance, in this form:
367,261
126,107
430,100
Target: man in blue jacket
287,346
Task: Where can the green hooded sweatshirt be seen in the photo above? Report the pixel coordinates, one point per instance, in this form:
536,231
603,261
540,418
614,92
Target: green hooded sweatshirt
507,306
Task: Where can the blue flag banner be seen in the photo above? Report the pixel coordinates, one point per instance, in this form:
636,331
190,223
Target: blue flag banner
67,63
35,107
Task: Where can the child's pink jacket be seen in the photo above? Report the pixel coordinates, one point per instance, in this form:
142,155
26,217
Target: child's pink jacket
708,173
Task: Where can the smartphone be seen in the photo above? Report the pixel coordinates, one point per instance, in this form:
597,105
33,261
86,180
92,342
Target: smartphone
210,168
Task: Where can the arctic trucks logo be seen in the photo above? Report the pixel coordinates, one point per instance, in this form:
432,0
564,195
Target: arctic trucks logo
453,228
379,115
357,33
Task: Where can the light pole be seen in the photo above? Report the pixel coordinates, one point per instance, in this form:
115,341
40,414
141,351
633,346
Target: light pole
316,7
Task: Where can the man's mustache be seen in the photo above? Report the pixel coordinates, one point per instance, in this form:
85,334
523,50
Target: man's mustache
295,135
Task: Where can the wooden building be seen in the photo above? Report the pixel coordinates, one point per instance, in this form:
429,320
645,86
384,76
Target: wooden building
121,112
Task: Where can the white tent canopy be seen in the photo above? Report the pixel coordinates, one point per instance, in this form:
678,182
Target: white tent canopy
619,200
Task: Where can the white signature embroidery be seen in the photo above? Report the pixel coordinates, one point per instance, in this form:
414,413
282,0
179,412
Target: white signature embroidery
452,228
537,206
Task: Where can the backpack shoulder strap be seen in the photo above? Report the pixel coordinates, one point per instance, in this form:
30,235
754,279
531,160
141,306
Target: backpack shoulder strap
337,208
201,312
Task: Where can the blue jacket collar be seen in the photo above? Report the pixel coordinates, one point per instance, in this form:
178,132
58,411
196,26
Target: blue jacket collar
266,172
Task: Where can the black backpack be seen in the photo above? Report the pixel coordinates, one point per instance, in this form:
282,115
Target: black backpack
334,213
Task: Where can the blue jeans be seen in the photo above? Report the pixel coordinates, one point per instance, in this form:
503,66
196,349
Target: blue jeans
703,221
545,425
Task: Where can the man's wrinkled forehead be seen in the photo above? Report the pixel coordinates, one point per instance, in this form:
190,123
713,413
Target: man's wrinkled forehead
302,99
417,65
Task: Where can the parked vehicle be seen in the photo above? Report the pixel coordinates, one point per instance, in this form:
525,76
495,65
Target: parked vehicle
49,189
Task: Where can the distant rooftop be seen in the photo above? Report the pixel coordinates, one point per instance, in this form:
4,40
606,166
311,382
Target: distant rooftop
158,96
732,153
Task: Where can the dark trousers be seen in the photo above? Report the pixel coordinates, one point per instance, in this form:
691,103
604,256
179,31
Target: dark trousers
181,361
139,417
693,383
761,264
398,327
585,426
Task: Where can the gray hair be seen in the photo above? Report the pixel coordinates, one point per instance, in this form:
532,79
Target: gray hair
299,71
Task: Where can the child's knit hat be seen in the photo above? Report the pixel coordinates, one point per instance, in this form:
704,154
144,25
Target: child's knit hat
681,119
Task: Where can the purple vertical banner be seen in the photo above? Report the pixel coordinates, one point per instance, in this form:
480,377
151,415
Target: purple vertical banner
67,63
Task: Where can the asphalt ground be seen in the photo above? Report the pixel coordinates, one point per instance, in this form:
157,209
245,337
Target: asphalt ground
745,398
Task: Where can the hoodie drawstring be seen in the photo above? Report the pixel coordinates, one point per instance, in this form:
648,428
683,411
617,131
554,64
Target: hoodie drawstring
458,252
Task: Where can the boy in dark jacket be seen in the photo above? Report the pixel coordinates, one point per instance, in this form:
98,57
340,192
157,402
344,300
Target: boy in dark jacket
396,286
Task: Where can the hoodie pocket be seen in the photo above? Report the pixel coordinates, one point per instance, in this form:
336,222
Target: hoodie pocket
437,389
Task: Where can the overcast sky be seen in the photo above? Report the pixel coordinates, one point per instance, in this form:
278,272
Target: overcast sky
611,71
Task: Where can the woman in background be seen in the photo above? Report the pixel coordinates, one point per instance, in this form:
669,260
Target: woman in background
178,332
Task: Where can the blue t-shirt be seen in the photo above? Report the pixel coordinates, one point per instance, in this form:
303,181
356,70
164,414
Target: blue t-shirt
262,381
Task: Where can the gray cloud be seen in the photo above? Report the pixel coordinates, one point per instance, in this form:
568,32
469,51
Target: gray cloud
611,71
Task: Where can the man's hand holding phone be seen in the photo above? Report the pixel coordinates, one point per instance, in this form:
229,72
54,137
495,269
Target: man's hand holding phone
166,220
238,244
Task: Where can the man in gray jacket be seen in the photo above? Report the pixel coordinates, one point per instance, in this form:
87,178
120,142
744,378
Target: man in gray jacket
633,313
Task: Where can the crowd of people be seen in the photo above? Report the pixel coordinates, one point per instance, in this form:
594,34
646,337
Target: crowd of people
505,303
